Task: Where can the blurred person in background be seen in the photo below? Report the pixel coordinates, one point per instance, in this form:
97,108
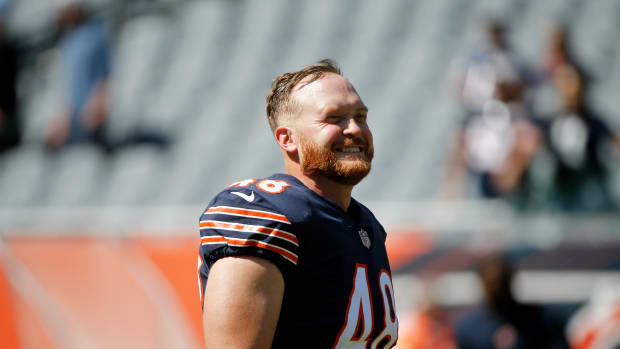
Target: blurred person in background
498,138
476,76
85,59
496,147
581,143
559,53
502,322
9,124
292,261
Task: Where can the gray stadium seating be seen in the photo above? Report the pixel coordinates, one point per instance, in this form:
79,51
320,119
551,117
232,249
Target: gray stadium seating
142,45
199,71
134,176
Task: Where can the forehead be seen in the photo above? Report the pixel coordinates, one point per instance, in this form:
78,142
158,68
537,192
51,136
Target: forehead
330,92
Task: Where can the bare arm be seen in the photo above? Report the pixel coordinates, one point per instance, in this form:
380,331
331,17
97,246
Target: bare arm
96,109
242,303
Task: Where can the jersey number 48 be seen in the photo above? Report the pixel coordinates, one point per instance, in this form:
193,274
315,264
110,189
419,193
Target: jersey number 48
359,321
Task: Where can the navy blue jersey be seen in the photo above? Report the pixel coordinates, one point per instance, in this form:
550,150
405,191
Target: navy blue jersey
338,291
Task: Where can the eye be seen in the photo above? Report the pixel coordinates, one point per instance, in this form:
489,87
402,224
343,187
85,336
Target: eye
334,119
361,118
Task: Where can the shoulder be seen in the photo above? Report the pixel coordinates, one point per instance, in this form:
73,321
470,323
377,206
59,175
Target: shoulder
251,217
278,194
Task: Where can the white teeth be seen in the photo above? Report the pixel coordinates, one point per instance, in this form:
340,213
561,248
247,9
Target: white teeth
350,150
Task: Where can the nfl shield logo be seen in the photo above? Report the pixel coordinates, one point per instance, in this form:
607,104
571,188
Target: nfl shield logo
364,237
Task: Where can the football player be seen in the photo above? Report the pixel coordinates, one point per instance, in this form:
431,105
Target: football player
292,261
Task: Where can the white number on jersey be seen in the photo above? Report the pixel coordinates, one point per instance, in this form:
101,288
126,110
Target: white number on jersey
359,317
272,186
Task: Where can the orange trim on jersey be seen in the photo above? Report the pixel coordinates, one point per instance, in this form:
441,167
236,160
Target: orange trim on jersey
251,228
248,213
207,240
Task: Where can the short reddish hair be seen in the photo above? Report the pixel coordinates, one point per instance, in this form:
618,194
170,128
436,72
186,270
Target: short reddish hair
279,98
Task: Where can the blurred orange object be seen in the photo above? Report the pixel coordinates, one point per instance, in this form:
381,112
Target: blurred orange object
8,328
426,329
93,292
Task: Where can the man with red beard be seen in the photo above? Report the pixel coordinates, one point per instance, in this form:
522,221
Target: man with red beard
292,261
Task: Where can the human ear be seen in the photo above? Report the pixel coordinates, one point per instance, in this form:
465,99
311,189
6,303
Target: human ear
285,138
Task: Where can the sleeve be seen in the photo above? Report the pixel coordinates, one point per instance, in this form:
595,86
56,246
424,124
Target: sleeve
232,226
101,54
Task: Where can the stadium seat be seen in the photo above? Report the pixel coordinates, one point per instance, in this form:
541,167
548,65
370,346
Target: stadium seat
45,101
22,176
199,37
138,58
77,176
134,176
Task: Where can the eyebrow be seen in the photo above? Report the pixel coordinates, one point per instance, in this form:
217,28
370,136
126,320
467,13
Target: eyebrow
333,109
357,110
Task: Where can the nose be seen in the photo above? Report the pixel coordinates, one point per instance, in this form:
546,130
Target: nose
352,127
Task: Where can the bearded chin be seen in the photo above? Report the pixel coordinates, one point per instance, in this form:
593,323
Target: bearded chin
320,161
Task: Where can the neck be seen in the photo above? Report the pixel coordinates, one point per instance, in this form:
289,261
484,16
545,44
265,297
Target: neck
338,193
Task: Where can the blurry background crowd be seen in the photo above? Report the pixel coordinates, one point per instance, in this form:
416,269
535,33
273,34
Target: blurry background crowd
497,167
